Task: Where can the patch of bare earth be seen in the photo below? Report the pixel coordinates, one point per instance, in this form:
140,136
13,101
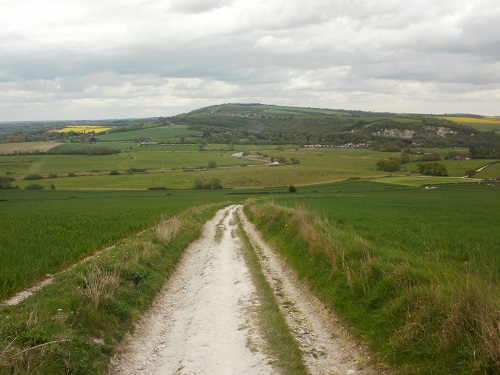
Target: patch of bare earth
10,148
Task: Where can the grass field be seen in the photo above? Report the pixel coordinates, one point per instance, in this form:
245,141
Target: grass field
175,162
163,133
416,271
66,226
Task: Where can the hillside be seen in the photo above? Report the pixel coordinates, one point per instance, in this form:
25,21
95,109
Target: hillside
267,124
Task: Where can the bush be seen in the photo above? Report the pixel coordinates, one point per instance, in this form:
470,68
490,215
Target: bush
214,184
33,187
212,164
388,165
33,177
292,189
432,169
295,161
158,188
52,175
6,182
114,173
71,174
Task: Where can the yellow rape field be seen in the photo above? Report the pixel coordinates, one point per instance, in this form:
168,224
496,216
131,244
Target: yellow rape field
82,129
484,120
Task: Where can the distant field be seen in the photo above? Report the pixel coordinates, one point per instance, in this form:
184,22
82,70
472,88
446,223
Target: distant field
163,133
490,172
82,129
76,146
420,180
485,123
10,148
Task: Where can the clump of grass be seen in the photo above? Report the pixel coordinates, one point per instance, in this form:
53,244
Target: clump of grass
100,284
166,229
420,313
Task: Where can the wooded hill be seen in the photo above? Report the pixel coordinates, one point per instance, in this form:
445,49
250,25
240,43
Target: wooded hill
267,124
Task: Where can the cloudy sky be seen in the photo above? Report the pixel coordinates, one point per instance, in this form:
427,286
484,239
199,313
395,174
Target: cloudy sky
95,59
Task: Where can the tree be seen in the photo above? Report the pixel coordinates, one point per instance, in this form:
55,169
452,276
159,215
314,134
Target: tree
6,182
432,169
388,165
292,189
295,161
212,164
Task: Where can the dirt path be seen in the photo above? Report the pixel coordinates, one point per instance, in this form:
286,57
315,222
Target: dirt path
203,321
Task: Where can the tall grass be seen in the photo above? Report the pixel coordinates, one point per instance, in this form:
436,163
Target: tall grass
422,315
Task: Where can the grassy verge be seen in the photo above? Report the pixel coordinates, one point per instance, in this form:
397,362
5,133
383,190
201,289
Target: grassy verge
74,324
282,346
422,316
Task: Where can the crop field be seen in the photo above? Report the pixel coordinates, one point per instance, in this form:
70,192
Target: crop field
11,148
416,271
485,123
456,222
82,129
67,226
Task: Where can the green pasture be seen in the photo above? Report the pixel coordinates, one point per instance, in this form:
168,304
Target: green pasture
162,133
416,271
456,222
139,157
490,172
78,146
44,231
417,180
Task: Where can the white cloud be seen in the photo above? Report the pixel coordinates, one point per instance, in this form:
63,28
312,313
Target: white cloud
91,58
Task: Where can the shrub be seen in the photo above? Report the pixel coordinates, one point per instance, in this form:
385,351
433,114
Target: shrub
71,174
6,182
292,189
33,177
52,175
158,188
388,165
33,187
114,173
212,164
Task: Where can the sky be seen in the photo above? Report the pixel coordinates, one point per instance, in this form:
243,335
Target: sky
109,59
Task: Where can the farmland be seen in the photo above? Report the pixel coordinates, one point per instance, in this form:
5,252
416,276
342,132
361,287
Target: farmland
390,251
389,258
82,129
67,226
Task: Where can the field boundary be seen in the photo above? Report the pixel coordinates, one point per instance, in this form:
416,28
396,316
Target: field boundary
27,292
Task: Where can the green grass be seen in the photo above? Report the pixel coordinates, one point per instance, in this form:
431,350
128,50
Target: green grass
490,172
45,231
76,146
163,133
283,348
75,324
415,271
